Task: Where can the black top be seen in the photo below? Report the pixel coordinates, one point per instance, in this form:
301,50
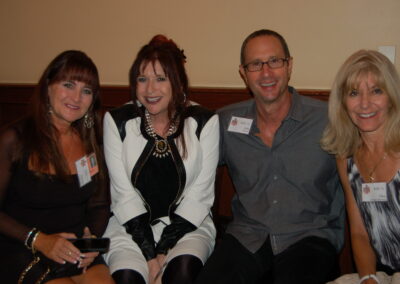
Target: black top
29,199
158,184
46,202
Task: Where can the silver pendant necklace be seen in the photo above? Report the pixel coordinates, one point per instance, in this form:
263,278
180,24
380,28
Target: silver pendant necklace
161,148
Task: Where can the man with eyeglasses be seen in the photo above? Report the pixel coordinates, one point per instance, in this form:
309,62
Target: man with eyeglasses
288,211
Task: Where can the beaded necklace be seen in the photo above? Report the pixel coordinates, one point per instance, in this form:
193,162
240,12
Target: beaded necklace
162,148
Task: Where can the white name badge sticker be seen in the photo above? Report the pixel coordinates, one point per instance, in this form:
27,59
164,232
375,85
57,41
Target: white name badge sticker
82,167
240,124
375,191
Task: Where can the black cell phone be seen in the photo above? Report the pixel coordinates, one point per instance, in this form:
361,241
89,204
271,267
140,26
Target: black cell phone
100,245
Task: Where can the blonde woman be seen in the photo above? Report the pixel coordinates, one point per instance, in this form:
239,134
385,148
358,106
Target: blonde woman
364,133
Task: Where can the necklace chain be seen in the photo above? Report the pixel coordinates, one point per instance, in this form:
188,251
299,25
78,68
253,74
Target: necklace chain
371,178
162,148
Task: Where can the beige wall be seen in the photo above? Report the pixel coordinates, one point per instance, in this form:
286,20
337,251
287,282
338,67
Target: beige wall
320,34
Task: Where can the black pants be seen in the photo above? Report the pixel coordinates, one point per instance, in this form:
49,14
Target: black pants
309,261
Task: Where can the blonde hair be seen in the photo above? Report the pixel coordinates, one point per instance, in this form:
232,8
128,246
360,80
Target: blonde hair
341,137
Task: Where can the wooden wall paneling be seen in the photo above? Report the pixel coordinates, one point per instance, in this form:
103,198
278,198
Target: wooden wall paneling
113,96
14,101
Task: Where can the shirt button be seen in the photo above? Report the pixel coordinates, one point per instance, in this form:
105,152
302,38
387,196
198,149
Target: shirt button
275,201
275,177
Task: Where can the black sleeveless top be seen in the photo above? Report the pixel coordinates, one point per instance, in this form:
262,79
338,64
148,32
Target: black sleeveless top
52,206
46,202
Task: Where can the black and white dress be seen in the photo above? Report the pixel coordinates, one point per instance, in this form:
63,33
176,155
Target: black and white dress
381,218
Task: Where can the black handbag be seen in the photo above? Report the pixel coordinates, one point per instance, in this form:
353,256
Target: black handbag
41,267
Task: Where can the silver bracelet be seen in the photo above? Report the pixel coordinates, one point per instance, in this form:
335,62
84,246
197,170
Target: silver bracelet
33,242
369,276
28,237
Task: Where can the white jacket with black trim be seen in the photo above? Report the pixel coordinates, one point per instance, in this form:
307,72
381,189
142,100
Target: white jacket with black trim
124,143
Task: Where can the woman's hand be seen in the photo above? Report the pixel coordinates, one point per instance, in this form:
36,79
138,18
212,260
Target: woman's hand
57,247
87,258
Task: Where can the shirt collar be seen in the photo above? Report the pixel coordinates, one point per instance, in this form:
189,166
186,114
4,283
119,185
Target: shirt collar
295,112
296,109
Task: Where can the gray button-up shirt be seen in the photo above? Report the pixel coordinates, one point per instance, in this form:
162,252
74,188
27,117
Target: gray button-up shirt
288,191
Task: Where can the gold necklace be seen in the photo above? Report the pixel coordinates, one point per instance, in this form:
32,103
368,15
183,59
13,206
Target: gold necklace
162,148
371,178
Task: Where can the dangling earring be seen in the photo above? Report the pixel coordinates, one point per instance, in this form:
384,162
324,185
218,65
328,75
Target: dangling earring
184,97
138,103
49,109
88,120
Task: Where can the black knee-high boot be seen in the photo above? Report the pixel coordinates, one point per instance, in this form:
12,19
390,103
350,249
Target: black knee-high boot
128,276
182,269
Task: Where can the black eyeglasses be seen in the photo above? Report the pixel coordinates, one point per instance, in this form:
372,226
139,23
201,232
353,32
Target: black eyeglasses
272,63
